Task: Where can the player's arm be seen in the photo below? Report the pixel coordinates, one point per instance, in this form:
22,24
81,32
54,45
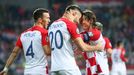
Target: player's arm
108,46
72,28
86,38
47,49
10,59
85,47
122,56
109,51
46,44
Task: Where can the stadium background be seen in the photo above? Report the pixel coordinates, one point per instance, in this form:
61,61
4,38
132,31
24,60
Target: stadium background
15,16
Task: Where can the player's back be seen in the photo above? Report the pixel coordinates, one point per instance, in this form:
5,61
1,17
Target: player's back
62,54
116,56
31,40
118,63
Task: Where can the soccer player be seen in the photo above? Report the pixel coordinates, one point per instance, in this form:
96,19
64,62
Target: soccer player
118,59
35,45
96,62
62,33
108,46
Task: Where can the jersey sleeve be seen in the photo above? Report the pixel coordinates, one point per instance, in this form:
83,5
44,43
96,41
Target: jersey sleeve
44,38
73,30
108,43
19,43
94,34
122,56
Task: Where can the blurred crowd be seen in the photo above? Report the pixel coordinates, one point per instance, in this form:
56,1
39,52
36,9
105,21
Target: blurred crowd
118,24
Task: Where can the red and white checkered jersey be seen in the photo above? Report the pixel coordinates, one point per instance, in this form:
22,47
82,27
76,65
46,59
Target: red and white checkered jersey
31,41
61,32
94,64
118,55
92,67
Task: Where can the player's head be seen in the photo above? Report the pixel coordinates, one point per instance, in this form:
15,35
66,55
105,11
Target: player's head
120,44
74,12
41,16
88,19
99,26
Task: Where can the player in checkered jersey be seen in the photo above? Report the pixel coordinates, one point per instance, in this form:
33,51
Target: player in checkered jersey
96,62
119,59
62,33
108,45
35,45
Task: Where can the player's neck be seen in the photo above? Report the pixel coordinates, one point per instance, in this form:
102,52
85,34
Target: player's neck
67,16
90,28
38,24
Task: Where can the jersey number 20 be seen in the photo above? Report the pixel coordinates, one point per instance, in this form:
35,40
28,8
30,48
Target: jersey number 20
30,51
54,39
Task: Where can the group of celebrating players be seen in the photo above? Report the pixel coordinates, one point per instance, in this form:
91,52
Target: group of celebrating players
39,41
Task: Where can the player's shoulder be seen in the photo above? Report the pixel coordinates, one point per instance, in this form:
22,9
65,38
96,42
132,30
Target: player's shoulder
40,29
95,34
106,38
36,28
123,49
95,31
67,21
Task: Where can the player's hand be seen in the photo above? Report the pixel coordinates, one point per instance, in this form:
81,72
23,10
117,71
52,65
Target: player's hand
99,46
3,73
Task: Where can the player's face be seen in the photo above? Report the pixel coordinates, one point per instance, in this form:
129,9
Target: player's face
45,19
85,23
78,16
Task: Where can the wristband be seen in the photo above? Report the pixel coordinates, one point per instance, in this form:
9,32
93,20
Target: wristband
5,69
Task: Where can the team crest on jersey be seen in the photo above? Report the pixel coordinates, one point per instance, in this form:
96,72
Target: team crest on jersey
90,33
77,31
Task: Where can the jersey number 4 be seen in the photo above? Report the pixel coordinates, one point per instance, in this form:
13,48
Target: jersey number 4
57,41
30,51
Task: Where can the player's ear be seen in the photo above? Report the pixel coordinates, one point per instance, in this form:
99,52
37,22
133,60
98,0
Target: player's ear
91,21
39,20
74,13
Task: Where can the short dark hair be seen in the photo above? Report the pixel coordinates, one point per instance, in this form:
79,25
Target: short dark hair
73,7
38,13
89,15
119,42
